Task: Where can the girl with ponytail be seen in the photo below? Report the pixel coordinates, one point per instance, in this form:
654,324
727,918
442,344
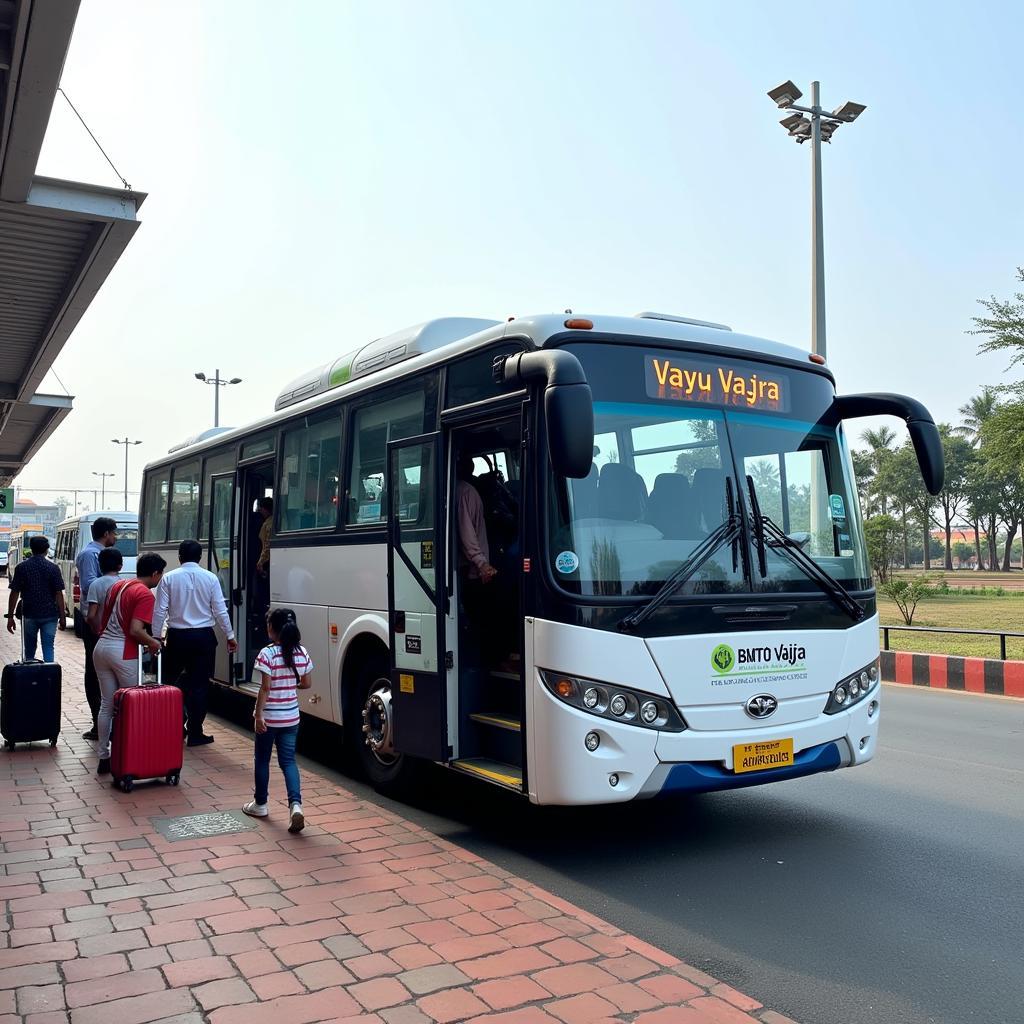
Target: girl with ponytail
285,667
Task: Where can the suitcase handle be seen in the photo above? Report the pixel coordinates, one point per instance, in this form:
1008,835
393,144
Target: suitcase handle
159,668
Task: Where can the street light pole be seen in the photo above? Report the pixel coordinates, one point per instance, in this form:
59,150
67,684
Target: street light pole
103,477
818,343
126,442
819,127
218,382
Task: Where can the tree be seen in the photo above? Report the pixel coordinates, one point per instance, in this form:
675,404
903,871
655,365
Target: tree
906,594
900,479
952,499
61,504
1004,473
1003,330
879,441
975,414
883,536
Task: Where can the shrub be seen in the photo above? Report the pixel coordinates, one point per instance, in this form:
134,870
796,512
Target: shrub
906,594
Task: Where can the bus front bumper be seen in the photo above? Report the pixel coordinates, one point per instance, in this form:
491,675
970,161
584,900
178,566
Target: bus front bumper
632,763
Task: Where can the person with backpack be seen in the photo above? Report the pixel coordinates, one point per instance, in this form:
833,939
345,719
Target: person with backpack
127,611
285,667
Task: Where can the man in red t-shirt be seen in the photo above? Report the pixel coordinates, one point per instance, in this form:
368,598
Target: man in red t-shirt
127,611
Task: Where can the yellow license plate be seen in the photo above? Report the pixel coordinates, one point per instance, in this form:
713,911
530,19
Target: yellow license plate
759,757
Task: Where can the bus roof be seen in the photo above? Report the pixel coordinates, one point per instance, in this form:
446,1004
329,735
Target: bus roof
438,341
91,517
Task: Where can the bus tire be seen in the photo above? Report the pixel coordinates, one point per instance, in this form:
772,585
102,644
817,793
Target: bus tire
370,707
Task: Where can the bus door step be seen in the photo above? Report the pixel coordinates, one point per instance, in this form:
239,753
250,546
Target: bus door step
498,720
505,775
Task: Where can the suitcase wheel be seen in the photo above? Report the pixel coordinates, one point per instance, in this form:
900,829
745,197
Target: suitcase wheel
9,744
127,784
173,779
53,741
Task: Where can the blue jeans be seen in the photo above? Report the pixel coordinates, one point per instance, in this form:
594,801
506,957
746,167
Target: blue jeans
284,738
46,629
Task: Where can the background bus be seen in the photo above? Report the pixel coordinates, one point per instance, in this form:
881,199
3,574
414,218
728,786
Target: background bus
74,534
682,599
18,548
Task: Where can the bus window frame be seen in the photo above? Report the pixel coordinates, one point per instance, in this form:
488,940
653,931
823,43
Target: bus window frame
427,382
339,409
148,476
214,453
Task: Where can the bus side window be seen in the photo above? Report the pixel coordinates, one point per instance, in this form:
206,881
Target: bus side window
308,488
373,427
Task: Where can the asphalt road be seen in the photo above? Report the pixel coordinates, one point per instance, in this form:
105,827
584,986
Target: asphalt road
890,894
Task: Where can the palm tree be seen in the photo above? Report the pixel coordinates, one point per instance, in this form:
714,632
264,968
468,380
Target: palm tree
975,414
878,442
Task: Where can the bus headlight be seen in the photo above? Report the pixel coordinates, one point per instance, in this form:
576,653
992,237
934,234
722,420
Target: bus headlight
618,704
852,689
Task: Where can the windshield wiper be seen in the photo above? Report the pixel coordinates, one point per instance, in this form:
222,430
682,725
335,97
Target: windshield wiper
767,534
729,531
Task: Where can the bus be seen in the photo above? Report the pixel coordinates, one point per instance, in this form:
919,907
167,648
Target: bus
18,549
682,599
74,534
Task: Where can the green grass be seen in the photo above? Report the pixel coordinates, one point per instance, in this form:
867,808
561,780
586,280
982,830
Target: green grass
959,611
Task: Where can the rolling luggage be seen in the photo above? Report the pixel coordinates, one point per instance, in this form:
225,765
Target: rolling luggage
146,739
30,700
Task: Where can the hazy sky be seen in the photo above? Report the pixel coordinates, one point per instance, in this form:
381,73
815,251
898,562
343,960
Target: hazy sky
323,173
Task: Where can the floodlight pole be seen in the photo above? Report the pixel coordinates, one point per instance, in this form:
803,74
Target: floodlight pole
817,230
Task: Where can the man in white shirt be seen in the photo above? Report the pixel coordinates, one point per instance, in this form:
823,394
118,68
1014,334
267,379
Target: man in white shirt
189,601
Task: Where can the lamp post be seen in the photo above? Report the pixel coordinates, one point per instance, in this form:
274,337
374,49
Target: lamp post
127,444
103,477
218,382
818,127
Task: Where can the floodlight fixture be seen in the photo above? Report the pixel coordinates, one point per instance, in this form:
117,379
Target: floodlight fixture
235,380
849,111
827,128
785,95
789,123
200,376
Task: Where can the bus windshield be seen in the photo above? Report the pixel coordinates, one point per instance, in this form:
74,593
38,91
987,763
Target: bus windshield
128,540
680,440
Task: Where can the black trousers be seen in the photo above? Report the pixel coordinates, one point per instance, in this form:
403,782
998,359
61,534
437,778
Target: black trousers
189,661
92,683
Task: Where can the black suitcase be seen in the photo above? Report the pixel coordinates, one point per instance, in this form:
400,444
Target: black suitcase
30,701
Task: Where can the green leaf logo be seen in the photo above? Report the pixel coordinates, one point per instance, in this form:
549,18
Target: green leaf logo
723,657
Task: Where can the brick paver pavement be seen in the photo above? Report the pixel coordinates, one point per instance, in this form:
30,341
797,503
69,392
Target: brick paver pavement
363,917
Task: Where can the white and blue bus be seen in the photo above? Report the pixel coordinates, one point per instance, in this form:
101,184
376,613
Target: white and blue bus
683,600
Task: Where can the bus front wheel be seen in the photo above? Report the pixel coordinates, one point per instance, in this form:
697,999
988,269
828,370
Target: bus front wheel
370,728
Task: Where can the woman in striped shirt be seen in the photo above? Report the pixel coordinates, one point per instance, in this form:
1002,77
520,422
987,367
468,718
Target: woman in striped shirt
285,667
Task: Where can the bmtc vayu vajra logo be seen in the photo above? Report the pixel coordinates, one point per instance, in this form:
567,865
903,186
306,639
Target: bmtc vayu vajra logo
723,657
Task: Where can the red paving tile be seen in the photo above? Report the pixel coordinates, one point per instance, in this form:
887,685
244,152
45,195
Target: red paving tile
364,917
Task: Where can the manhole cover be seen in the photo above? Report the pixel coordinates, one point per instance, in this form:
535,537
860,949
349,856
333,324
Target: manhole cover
202,826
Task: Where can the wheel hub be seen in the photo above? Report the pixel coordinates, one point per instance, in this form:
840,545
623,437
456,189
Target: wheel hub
377,722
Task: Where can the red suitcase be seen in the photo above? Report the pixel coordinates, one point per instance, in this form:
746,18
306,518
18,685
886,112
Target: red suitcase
146,740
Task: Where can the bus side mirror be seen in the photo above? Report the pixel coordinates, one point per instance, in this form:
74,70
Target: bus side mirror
924,435
568,405
569,410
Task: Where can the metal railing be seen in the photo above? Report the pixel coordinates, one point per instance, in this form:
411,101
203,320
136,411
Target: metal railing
946,629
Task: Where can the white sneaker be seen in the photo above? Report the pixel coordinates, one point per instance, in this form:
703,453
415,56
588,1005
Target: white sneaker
255,810
298,819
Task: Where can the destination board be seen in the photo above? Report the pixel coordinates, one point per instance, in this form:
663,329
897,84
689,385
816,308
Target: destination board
685,378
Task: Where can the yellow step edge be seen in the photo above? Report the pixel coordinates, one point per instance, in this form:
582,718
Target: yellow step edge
492,771
501,721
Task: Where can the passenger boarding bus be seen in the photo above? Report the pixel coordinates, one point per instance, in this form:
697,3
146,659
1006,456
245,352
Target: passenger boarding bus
74,534
682,599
